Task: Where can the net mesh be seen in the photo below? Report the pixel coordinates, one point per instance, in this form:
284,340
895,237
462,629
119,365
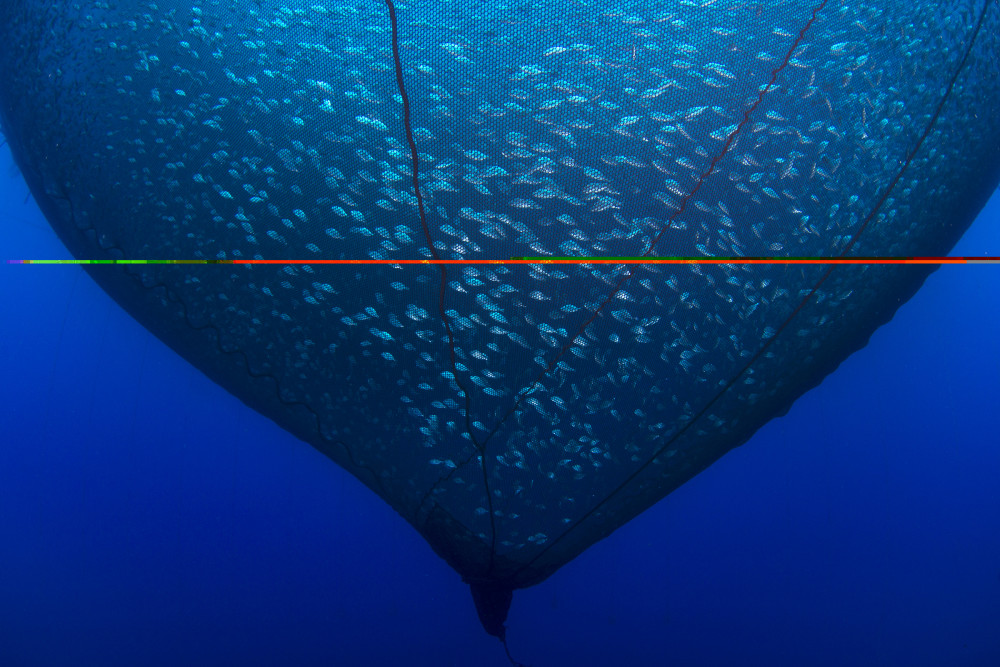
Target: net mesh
514,414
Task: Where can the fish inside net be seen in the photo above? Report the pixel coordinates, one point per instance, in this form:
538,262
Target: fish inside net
524,401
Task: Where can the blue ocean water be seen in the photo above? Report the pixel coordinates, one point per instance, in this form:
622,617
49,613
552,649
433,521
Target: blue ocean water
146,517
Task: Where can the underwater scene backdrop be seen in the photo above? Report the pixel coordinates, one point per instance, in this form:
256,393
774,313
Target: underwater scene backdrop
514,414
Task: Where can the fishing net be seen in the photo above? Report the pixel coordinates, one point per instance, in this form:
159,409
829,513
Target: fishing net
512,412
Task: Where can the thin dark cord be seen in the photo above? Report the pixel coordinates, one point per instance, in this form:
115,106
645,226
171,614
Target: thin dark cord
480,447
503,640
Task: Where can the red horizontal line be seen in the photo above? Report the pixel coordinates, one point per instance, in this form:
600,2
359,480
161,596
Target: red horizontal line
649,260
550,260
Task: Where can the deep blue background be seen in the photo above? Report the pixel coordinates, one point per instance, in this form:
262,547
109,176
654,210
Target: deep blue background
147,517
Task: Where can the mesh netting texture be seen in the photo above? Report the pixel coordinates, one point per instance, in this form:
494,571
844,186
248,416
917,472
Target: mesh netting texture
513,412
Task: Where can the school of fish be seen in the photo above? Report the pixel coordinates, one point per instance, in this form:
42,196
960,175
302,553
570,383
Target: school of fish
514,414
